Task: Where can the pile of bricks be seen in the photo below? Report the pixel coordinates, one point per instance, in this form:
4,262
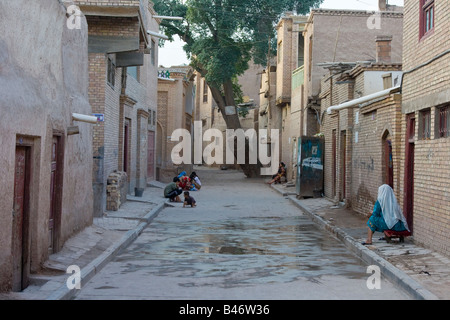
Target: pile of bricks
116,190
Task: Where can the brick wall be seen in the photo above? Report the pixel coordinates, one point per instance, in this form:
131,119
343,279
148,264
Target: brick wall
119,105
355,140
428,87
286,58
434,77
339,35
376,122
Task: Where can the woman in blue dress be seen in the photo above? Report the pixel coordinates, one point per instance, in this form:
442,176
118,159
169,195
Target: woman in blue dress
387,214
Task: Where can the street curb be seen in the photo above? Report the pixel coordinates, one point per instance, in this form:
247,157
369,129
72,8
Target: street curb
388,270
89,271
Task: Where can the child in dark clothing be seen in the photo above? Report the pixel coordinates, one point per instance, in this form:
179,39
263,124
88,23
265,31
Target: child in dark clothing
188,200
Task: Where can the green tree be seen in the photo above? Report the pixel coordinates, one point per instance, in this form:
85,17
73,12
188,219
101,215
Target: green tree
222,36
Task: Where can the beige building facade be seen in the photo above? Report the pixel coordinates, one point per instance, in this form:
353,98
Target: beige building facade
122,92
343,36
176,110
362,135
46,172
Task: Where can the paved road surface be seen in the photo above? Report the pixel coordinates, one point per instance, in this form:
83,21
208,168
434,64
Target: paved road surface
243,241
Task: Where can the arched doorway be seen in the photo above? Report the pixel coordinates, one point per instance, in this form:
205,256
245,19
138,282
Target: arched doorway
388,163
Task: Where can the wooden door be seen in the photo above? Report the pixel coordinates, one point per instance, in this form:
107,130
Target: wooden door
20,225
126,136
151,156
55,194
343,166
334,162
389,164
409,171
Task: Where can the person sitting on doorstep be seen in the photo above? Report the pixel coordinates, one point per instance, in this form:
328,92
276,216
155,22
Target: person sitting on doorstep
276,178
386,215
173,191
188,200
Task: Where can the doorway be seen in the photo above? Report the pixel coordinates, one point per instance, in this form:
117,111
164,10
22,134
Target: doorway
388,161
409,170
56,178
20,227
151,156
334,162
343,165
126,146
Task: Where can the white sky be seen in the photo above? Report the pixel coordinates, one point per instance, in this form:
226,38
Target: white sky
172,53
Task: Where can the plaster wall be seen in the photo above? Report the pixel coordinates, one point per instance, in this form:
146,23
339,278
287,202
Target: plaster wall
43,80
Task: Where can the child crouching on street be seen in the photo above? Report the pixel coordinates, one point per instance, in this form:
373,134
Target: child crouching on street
188,200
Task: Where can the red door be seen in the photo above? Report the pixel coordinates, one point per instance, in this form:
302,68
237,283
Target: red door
55,195
151,156
126,136
20,221
51,220
343,164
409,171
389,163
334,149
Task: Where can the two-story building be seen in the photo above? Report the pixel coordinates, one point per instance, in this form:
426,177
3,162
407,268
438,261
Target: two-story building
176,100
425,183
123,59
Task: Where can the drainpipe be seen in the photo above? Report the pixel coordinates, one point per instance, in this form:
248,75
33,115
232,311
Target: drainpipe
84,118
356,102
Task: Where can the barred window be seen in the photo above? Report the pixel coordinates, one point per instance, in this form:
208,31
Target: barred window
443,121
425,124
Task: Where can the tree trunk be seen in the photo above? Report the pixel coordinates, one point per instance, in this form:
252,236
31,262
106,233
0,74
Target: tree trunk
232,122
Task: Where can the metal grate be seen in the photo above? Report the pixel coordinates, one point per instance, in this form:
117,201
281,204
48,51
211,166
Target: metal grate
444,122
425,128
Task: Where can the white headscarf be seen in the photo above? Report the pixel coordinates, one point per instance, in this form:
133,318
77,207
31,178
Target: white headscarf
392,213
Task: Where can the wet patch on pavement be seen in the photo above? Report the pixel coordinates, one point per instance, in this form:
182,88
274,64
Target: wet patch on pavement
250,250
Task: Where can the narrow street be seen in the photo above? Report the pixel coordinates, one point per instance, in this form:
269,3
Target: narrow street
242,241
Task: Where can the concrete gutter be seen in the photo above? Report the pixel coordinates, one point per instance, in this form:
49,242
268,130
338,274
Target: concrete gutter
389,271
89,271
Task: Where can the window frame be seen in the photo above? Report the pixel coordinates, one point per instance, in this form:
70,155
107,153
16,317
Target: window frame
443,121
427,9
425,124
134,72
111,72
153,52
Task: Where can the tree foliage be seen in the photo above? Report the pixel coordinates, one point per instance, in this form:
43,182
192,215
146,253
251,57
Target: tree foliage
222,36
